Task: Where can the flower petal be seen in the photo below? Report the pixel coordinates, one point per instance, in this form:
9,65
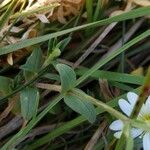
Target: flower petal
146,141
118,134
116,125
132,98
148,102
136,132
125,107
145,111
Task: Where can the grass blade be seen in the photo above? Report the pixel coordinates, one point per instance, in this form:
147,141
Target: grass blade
22,44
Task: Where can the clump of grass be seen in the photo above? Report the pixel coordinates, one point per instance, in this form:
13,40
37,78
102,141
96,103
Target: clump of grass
64,66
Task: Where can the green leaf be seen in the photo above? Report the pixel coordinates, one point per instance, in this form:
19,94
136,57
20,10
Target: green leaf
51,45
33,63
98,11
29,98
5,85
113,76
81,106
62,44
54,50
89,10
67,77
51,56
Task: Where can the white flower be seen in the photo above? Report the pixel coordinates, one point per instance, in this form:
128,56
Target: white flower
127,106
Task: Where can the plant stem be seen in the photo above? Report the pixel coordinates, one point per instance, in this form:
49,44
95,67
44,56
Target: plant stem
50,87
89,9
145,92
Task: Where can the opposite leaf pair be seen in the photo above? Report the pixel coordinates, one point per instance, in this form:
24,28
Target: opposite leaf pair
81,106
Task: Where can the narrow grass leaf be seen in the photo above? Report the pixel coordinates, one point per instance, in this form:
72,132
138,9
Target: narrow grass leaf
129,15
62,44
7,14
113,76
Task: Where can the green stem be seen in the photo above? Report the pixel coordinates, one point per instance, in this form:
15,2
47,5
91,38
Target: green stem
129,139
140,125
145,92
89,10
98,11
